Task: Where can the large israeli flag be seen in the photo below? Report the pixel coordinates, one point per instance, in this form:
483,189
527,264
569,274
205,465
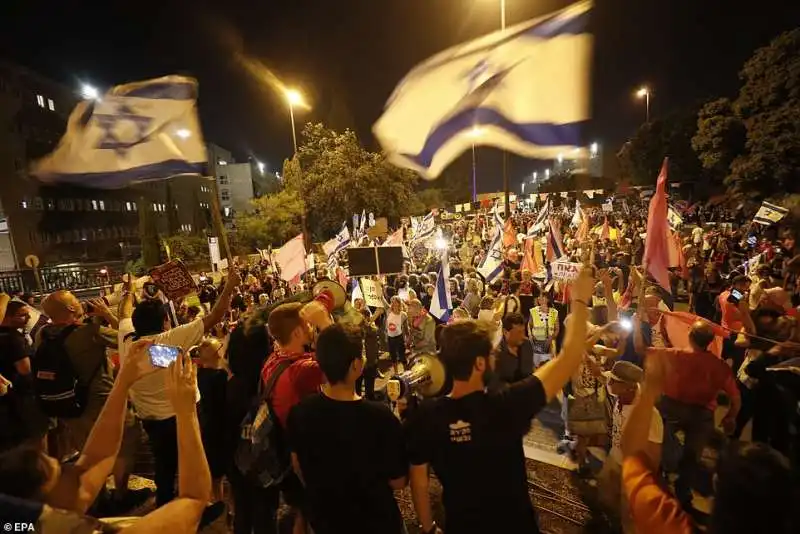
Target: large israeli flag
442,301
492,265
524,89
426,228
136,132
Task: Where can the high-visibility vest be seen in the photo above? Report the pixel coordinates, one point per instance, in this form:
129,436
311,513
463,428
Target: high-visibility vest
543,328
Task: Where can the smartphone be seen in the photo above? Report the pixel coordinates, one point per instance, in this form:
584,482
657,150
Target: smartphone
163,355
735,296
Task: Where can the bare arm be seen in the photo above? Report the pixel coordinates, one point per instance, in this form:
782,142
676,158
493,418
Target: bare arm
80,484
420,495
554,374
636,432
223,303
4,300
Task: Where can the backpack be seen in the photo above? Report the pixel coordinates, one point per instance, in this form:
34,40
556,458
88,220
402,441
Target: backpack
58,389
261,454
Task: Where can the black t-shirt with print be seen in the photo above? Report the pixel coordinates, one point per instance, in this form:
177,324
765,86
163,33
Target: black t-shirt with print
348,453
474,445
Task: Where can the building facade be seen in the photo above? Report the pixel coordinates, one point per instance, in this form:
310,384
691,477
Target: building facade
234,180
68,224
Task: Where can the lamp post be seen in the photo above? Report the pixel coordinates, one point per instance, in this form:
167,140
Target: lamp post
294,98
644,92
474,133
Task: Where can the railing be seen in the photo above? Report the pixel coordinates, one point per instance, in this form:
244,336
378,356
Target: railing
73,277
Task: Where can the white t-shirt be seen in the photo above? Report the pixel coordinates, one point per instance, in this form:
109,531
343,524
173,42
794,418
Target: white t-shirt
149,393
620,415
394,324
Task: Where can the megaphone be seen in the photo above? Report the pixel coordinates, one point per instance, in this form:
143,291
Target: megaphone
331,294
426,377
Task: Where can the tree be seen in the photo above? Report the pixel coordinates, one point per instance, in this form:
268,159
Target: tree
272,220
428,199
337,177
191,249
671,136
754,141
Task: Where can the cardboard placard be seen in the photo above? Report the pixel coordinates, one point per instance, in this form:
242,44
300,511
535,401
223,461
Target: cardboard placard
174,279
371,290
565,270
608,207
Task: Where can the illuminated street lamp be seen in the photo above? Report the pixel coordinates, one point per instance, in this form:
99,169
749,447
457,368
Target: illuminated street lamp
294,98
89,92
644,92
260,166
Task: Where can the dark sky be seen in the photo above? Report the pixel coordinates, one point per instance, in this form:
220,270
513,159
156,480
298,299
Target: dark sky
347,55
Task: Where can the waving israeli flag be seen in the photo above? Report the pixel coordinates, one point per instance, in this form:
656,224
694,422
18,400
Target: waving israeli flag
442,301
136,132
492,265
341,241
426,227
541,220
525,88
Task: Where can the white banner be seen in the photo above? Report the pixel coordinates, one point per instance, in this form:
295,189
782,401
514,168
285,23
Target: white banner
371,290
564,270
608,207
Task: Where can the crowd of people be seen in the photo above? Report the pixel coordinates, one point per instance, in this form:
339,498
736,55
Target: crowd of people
635,374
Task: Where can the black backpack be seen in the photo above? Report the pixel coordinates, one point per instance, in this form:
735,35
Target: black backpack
58,389
261,452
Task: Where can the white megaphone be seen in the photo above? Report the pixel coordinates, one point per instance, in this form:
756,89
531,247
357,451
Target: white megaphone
334,298
426,377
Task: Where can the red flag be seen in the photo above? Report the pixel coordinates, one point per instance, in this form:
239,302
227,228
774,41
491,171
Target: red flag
509,234
676,255
605,232
528,263
656,251
679,324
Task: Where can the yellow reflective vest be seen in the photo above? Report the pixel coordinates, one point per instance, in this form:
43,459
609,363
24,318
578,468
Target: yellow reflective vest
542,328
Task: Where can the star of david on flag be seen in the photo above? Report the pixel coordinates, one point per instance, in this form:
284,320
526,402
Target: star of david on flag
137,132
526,87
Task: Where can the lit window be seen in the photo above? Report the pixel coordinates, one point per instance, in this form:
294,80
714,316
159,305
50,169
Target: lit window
51,105
134,205
223,162
128,206
40,100
24,204
50,203
94,205
102,206
155,206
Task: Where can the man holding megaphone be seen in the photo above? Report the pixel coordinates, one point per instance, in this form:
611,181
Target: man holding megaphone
473,438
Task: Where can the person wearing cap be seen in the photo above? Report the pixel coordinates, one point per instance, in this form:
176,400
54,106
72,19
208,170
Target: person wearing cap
623,382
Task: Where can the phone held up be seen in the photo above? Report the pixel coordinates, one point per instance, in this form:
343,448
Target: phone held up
163,355
735,296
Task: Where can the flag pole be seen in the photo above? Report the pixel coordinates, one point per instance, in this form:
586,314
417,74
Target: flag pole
216,220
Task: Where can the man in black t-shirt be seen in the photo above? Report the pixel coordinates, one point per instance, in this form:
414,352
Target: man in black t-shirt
348,452
16,420
473,439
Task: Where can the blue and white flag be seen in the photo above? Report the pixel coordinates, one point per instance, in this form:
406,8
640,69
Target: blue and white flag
363,224
578,217
426,228
136,132
674,218
769,214
526,89
492,265
442,301
340,242
356,291
541,220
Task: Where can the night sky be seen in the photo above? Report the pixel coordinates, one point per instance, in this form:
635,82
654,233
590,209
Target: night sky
347,55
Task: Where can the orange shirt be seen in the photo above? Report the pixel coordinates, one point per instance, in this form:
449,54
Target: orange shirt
654,510
731,316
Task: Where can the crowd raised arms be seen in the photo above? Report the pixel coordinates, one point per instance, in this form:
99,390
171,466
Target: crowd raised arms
282,367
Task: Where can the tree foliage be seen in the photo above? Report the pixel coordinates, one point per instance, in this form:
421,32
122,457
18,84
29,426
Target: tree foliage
754,142
272,220
189,248
671,136
337,177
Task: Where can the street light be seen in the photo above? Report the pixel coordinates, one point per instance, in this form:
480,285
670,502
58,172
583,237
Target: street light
89,92
260,166
474,133
644,92
294,98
